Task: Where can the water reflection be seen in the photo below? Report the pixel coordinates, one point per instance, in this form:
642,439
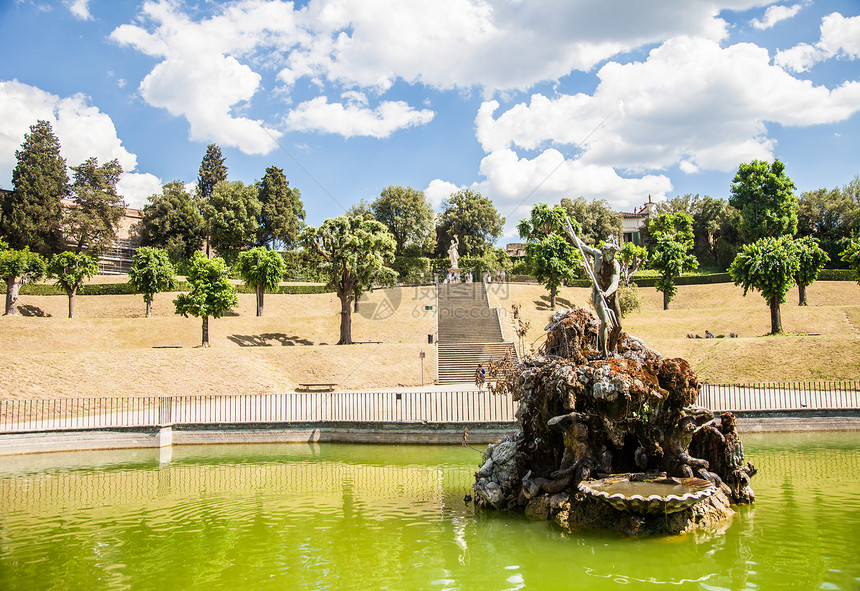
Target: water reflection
325,517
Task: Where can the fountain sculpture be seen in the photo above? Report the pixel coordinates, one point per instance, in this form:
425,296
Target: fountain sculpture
613,441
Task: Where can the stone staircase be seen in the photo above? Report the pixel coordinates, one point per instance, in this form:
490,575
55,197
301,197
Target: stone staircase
469,332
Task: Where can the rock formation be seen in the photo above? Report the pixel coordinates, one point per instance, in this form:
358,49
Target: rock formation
583,417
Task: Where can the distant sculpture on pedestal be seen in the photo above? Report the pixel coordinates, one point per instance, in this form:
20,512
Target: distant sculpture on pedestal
453,255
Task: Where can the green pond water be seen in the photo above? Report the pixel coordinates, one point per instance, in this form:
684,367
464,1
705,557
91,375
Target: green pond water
393,517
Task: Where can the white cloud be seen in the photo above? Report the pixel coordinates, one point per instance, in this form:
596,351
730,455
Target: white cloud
355,119
840,37
438,190
80,9
776,14
83,132
136,187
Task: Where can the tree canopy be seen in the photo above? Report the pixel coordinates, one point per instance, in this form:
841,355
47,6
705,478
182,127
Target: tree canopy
550,256
597,220
211,292
830,216
408,216
810,260
212,171
32,213
172,221
767,265
851,256
151,273
92,219
70,269
670,255
261,269
473,218
764,196
281,210
231,216
17,268
351,252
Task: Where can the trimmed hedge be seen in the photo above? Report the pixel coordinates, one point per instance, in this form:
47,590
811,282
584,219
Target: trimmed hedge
127,289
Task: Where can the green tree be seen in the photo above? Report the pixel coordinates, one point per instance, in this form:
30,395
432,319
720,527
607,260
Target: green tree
764,196
810,260
631,258
171,221
596,218
281,213
408,216
707,213
830,216
851,255
18,268
231,216
361,209
551,258
211,293
261,269
671,253
351,253
70,269
473,218
211,172
32,213
92,218
767,265
151,273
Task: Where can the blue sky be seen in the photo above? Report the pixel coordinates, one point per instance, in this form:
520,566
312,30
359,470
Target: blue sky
525,101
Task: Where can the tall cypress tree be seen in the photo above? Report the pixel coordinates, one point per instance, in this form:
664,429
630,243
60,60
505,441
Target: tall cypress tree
32,213
282,212
212,171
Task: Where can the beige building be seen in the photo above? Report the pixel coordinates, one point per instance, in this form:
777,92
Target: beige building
632,222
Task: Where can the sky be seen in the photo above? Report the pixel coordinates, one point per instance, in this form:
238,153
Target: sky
524,101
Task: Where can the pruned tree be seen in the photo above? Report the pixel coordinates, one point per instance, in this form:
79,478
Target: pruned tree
151,273
70,269
764,196
282,214
211,292
231,215
473,218
408,216
172,221
351,253
91,220
631,258
671,256
18,268
550,256
767,265
811,258
261,269
851,256
32,213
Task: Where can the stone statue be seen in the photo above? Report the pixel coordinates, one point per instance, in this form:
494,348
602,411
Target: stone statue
453,255
605,275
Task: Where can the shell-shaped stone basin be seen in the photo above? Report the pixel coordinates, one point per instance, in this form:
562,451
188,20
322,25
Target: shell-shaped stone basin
648,496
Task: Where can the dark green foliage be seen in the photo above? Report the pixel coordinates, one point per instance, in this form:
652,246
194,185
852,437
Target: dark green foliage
831,217
151,273
171,221
552,257
851,255
473,218
212,171
32,213
670,255
413,267
361,209
211,293
231,216
767,265
70,269
810,260
711,224
408,216
261,269
764,196
281,213
596,219
92,219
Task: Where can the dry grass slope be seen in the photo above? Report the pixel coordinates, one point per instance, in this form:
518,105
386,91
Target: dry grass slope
111,350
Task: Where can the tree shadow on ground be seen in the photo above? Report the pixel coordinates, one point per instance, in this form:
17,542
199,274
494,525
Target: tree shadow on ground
543,303
30,310
269,339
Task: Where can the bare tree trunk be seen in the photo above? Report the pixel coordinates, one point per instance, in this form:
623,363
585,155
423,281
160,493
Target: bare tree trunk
12,290
345,320
205,342
148,299
260,292
553,291
71,293
801,290
775,318
666,300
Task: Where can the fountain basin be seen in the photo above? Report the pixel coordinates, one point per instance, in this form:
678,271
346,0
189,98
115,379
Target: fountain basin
636,493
